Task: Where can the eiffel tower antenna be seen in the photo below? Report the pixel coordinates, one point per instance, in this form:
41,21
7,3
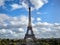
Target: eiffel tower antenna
29,28
29,17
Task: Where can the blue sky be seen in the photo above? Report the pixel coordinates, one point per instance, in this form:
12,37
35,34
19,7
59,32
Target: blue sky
44,13
51,10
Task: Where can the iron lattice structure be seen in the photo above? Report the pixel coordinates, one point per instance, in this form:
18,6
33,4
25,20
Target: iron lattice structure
29,28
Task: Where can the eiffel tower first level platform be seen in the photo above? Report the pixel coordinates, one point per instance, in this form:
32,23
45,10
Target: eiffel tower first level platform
29,33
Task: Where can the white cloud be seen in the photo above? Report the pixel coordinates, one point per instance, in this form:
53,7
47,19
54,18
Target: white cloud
25,4
38,19
2,31
46,29
2,2
37,3
3,17
35,30
38,12
21,30
43,13
43,24
16,26
16,6
46,1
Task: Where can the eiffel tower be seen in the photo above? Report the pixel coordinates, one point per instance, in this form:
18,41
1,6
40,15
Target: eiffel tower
29,28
